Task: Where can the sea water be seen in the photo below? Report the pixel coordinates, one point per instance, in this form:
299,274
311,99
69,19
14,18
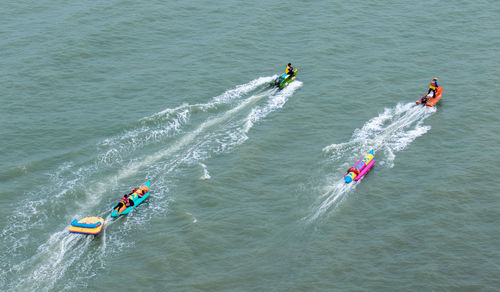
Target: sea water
247,190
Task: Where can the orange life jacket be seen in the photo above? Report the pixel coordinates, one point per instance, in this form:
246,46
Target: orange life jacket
125,201
355,170
142,191
433,85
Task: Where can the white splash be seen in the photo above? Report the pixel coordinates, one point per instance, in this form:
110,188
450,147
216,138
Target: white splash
206,174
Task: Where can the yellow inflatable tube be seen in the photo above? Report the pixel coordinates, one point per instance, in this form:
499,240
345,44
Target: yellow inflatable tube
89,225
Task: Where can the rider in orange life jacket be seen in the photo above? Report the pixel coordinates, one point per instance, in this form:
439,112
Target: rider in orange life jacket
126,201
433,86
289,70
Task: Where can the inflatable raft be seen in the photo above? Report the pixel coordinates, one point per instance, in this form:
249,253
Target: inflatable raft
431,101
360,168
89,225
137,199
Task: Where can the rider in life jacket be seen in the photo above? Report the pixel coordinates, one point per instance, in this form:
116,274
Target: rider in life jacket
126,200
289,70
433,87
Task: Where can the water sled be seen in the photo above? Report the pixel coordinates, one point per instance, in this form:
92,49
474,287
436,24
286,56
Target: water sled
431,101
89,225
137,201
283,80
360,168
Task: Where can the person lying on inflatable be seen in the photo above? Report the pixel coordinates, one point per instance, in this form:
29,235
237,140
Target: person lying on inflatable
128,199
125,201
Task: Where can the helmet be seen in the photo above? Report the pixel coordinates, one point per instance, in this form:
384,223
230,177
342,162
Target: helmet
289,64
435,78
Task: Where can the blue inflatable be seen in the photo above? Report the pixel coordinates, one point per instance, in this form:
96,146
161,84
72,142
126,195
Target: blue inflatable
136,197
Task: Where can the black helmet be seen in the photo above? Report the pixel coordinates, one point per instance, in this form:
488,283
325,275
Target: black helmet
289,64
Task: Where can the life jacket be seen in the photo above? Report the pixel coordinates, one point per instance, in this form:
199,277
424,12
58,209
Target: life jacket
352,169
289,70
125,201
142,191
433,85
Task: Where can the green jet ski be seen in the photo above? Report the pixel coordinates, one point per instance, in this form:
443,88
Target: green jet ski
283,80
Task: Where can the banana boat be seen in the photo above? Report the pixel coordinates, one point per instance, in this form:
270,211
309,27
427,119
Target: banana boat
360,168
134,199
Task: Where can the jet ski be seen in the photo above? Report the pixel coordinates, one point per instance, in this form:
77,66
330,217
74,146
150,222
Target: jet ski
283,80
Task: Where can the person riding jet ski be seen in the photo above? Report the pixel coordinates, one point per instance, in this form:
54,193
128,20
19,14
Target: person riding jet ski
432,90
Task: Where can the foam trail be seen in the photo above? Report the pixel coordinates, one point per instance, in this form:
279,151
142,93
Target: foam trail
277,102
170,121
389,132
334,195
54,258
236,132
226,97
185,140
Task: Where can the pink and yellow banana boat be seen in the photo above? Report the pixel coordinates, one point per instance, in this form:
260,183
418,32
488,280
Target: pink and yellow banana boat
360,168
